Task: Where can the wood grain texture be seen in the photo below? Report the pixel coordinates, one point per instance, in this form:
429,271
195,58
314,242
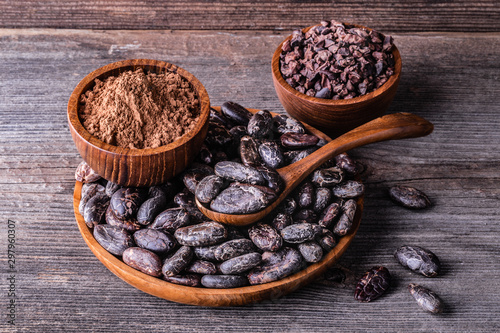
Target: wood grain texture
384,15
137,167
335,117
450,79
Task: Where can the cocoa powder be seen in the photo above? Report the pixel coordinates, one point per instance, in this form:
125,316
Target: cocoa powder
140,110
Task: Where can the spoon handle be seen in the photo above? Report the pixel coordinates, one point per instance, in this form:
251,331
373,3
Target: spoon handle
389,127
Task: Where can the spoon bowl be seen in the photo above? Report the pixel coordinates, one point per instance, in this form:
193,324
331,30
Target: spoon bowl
390,127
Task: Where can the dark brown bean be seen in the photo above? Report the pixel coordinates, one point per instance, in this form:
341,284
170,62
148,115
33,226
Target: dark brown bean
236,113
300,232
346,219
209,187
203,234
311,251
305,194
111,188
202,267
154,240
409,197
239,172
233,248
271,154
276,266
143,260
285,124
171,219
323,198
265,237
329,214
115,240
260,126
326,240
373,284
206,252
223,281
238,132
281,221
348,189
218,136
419,260
240,200
298,140
151,208
192,179
293,156
328,177
95,209
190,280
240,264
288,206
126,201
346,163
273,178
305,215
178,261
85,174
426,298
249,151
129,224
88,191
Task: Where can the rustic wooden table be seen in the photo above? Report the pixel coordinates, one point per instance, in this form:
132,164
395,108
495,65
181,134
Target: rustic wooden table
451,73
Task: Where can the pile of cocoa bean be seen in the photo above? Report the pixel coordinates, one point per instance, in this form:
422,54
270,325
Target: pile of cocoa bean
337,61
160,231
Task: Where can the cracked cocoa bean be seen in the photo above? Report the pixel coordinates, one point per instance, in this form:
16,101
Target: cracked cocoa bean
328,177
260,125
419,260
348,189
85,174
373,284
285,124
249,151
271,154
265,237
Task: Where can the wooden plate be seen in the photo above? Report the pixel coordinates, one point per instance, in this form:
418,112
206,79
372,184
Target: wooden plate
215,297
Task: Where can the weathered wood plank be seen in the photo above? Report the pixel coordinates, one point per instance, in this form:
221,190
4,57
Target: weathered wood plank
385,15
446,78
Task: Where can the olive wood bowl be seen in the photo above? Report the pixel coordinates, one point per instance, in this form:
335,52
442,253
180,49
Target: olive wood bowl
215,297
335,117
137,167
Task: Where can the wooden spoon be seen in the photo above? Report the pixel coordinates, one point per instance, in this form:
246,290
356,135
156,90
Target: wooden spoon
393,126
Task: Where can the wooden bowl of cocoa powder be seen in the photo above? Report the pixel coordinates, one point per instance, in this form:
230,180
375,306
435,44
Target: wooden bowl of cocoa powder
136,138
347,100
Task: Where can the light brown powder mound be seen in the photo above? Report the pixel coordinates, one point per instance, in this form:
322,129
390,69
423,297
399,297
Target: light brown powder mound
138,110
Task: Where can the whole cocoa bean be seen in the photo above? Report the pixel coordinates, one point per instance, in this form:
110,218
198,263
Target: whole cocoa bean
265,237
329,214
298,140
88,191
223,281
218,136
346,163
322,199
300,232
240,200
202,267
177,262
419,260
305,215
311,251
190,280
129,224
373,284
409,197
426,298
111,188
126,201
271,154
238,132
240,264
285,124
203,234
154,240
272,177
151,208
281,221
206,252
233,248
115,240
95,209
348,189
327,240
209,187
249,151
143,260
305,194
219,118
346,219
171,219
85,174
276,266
239,172
236,113
260,126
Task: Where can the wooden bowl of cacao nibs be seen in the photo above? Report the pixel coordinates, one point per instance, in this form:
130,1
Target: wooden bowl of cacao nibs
336,76
177,254
139,122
